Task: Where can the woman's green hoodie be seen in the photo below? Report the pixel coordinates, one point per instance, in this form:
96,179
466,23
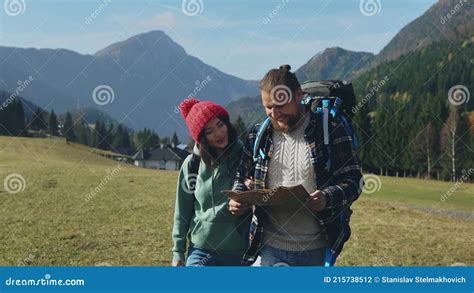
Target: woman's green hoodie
203,218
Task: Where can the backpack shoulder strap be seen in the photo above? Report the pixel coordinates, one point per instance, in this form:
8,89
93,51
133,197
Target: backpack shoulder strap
193,167
325,116
194,164
257,151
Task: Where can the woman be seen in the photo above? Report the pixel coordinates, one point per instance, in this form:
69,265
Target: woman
202,222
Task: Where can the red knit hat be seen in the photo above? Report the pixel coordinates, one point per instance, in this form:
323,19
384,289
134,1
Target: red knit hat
197,113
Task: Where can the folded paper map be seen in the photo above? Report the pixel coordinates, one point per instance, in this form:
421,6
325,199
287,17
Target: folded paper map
276,196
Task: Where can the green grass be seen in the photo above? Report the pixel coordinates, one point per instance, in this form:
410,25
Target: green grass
128,222
426,193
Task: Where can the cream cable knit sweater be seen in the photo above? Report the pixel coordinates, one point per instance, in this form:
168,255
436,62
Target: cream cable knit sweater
292,227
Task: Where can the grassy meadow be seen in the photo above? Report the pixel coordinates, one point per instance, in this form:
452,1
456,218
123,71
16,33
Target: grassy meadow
78,208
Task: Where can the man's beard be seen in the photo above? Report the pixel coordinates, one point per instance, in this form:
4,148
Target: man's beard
292,122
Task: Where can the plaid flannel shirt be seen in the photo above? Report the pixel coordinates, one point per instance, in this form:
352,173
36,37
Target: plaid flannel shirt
341,184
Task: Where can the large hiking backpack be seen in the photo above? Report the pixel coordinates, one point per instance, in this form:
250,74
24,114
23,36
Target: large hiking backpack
331,89
334,98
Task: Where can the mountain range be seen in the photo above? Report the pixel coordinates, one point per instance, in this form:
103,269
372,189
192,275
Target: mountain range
141,80
138,82
445,21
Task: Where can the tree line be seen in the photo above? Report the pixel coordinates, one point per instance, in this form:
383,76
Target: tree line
421,121
72,126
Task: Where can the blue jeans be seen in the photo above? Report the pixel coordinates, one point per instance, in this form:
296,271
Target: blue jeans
200,257
278,257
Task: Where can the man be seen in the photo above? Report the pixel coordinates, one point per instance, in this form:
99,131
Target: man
291,152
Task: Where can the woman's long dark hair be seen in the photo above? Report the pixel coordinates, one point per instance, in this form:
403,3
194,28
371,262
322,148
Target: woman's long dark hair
208,154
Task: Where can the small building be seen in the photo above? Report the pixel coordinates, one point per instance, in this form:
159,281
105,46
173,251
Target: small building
163,158
183,146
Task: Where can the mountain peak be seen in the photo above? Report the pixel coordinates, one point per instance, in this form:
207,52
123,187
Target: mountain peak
334,49
141,43
151,35
143,77
333,63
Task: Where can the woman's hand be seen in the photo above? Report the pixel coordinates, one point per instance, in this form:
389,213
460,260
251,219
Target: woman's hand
249,183
178,263
238,208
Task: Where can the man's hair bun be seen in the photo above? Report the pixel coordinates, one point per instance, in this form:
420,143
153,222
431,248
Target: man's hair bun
285,67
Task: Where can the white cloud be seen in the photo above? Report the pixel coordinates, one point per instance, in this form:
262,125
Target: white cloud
163,20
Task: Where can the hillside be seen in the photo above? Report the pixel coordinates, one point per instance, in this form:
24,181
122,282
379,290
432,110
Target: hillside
128,221
56,220
447,20
393,115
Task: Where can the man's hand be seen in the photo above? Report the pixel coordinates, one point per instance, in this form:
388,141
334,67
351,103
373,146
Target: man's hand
178,263
238,208
317,201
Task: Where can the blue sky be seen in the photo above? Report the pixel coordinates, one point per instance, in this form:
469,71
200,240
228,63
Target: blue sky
242,38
